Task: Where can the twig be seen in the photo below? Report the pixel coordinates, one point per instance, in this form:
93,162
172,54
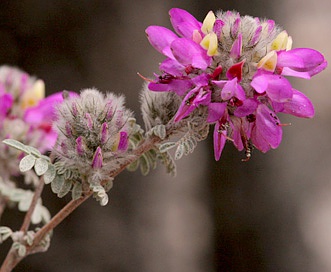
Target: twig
28,215
2,206
12,259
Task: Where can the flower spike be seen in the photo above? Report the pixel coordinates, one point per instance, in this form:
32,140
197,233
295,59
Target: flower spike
234,68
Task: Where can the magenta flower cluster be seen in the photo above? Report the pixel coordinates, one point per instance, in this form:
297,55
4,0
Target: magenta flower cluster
25,114
235,67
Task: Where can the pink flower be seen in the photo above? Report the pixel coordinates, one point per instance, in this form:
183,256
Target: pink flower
41,118
236,67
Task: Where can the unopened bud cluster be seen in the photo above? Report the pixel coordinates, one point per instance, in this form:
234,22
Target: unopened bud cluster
93,134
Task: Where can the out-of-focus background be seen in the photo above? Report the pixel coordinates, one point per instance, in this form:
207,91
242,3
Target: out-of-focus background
272,213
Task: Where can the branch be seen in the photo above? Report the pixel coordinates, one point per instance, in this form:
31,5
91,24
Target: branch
12,259
28,215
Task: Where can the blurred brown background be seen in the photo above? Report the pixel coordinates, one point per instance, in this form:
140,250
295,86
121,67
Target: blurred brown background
272,213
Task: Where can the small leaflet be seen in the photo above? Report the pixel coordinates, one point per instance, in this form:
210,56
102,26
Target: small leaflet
144,165
179,152
49,174
27,163
160,131
65,188
16,144
166,146
41,166
77,191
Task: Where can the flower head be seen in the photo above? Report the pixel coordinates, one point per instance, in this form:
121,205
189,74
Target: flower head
235,66
25,115
93,131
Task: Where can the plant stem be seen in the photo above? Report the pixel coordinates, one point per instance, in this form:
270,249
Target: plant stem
2,206
12,259
28,215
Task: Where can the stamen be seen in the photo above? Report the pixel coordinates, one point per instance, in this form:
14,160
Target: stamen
284,125
144,78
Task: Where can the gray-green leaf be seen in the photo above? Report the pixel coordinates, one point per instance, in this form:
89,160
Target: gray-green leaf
34,151
65,189
57,184
144,165
27,163
5,233
16,144
49,174
21,250
179,152
41,166
77,191
166,146
160,131
133,166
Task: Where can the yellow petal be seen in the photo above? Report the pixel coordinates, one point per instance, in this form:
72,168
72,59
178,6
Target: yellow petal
209,42
208,23
280,43
289,43
268,62
32,96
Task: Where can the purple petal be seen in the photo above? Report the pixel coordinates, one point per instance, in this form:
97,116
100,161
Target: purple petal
172,67
161,38
288,59
219,83
278,88
277,106
267,129
218,25
188,52
201,80
299,105
179,86
259,142
300,59
219,141
236,133
319,68
289,72
236,49
45,110
256,35
229,89
80,146
123,141
6,101
183,22
216,111
248,107
239,92
235,27
259,83
97,160
194,98
271,25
